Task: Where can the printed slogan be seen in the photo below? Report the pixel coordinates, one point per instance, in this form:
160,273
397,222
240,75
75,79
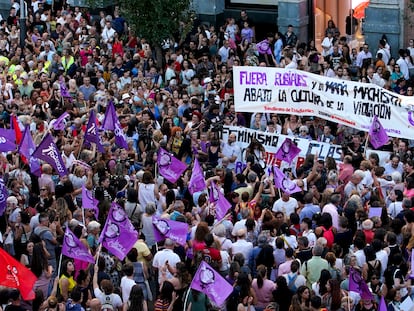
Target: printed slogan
264,89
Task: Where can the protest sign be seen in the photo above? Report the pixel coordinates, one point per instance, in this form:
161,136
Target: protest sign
354,104
273,142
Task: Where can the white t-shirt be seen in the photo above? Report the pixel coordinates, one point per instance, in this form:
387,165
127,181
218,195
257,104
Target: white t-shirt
394,208
243,247
115,299
287,208
126,286
229,151
161,257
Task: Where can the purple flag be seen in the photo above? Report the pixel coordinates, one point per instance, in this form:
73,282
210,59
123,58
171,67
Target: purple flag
63,89
74,248
59,124
197,182
89,202
85,165
7,140
92,134
4,194
166,228
26,148
216,197
358,284
288,151
283,182
377,134
211,283
412,262
111,123
48,152
383,305
170,167
374,211
118,234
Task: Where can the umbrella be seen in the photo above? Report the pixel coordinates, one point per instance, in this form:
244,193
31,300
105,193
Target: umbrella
359,10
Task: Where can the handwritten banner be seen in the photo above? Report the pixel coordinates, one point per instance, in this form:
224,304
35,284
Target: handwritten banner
272,142
265,89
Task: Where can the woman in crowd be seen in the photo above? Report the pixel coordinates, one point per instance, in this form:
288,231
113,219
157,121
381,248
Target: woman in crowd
167,298
136,301
66,281
263,288
301,300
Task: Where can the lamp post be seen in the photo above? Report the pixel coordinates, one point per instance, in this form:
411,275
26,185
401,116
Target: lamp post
22,22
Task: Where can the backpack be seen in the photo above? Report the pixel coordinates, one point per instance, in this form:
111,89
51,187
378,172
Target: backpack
374,269
335,274
107,305
291,283
73,306
329,236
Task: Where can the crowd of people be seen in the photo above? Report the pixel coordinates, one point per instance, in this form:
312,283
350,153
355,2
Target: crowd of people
279,251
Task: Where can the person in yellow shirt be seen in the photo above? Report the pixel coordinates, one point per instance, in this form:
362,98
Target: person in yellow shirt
66,281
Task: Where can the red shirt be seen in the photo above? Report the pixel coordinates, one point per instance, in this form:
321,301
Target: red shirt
211,254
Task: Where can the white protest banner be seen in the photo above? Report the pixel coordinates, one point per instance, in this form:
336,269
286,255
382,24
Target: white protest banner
266,89
272,142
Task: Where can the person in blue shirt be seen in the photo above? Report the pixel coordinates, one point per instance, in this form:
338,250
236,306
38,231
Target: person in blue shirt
309,209
278,48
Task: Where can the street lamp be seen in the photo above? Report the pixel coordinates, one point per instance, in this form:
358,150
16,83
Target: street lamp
22,22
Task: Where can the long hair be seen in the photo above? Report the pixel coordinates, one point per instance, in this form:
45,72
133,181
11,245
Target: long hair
244,282
136,299
261,273
323,280
166,291
39,260
65,267
335,294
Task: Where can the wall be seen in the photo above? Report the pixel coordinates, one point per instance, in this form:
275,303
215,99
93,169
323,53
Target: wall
383,17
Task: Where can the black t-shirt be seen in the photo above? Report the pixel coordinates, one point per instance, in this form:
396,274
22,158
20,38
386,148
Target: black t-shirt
240,23
14,308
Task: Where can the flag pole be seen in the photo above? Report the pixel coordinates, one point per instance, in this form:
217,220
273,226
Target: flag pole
98,253
366,145
220,221
81,146
156,169
186,298
60,265
83,215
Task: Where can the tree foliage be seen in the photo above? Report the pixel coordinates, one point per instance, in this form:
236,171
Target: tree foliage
156,20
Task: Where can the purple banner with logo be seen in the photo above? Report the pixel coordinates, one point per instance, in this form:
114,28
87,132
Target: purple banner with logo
283,182
48,152
4,194
221,203
288,151
59,124
169,166
111,123
211,283
92,134
358,284
118,234
197,182
74,248
26,148
166,228
377,134
89,202
7,140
